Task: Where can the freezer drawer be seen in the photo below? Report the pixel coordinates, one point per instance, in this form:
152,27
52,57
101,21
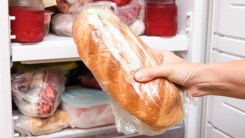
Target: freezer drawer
229,45
215,133
228,115
218,134
229,18
223,57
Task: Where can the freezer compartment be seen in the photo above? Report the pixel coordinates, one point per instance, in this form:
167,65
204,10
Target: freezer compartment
227,114
215,133
229,45
217,56
56,48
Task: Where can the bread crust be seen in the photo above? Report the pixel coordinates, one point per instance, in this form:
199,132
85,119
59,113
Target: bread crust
114,53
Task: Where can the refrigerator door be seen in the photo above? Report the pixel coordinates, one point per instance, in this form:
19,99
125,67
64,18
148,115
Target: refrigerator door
228,116
225,117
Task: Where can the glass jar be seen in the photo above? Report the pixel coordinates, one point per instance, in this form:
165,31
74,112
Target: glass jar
28,26
161,18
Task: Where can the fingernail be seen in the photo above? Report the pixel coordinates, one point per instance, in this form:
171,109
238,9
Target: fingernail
139,75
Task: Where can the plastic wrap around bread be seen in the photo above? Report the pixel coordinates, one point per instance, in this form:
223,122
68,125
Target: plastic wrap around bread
114,53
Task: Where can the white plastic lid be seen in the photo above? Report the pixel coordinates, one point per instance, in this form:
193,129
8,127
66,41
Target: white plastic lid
81,97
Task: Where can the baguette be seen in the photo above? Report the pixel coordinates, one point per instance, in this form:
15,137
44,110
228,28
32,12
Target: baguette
113,53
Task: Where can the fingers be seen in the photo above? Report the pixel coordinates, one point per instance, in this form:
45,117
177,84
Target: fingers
168,57
149,74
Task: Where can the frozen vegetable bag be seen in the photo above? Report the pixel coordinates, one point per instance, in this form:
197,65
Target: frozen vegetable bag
114,53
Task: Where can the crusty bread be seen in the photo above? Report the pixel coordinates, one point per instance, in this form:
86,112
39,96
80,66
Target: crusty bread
114,53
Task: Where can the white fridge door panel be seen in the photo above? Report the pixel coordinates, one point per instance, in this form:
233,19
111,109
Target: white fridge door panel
229,116
223,57
229,18
230,45
217,134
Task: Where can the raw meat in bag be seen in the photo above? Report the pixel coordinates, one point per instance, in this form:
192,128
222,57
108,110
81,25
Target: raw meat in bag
38,93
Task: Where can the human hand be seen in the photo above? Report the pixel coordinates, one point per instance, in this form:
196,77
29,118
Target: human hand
174,69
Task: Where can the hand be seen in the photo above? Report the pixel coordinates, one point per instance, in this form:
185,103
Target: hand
223,78
174,69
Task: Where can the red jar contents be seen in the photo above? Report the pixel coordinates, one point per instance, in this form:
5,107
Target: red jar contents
28,25
161,18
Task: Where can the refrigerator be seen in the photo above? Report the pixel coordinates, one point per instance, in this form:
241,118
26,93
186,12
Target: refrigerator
208,31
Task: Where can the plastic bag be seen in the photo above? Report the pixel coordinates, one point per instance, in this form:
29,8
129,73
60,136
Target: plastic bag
37,93
127,13
61,24
114,53
87,107
71,6
88,80
38,126
22,68
131,14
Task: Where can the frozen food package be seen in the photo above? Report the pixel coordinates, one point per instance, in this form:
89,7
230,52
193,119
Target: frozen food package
26,125
113,53
118,2
21,68
71,6
87,107
131,14
88,80
37,93
47,20
61,24
127,13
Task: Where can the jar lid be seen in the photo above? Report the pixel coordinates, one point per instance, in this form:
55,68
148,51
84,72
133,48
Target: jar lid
160,2
81,97
24,3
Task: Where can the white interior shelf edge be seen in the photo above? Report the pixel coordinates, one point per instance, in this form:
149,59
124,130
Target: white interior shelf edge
73,132
58,48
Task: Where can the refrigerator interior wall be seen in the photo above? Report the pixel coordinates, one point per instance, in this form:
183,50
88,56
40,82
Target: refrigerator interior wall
6,128
190,39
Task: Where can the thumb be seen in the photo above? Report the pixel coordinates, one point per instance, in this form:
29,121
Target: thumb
148,74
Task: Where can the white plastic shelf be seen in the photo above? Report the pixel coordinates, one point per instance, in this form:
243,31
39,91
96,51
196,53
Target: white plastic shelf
103,131
66,133
57,48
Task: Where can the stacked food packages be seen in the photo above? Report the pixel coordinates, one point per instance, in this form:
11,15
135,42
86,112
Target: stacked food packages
55,96
130,12
36,19
49,98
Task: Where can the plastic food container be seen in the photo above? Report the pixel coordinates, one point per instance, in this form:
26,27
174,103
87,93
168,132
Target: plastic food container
29,19
161,18
86,107
47,19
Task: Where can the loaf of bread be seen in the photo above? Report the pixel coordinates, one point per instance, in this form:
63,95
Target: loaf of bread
114,53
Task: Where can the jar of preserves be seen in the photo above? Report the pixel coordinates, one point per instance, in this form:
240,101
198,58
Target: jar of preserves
28,26
161,18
